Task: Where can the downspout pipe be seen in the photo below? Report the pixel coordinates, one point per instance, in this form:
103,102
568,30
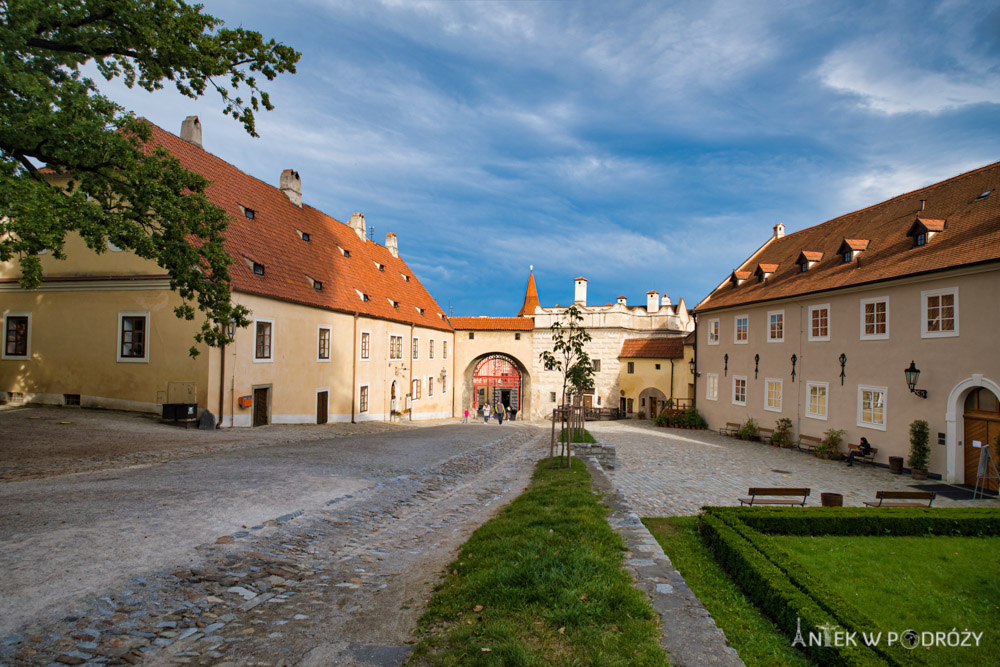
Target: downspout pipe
354,367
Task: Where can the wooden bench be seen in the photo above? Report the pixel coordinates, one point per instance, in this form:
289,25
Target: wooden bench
859,457
730,429
765,434
768,498
807,443
894,497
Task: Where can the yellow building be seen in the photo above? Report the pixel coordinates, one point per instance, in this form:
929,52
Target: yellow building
656,374
342,329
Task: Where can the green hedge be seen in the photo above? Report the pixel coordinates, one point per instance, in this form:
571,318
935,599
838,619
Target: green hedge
865,521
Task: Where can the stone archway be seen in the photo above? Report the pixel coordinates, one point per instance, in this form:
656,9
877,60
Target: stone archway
955,426
498,377
651,401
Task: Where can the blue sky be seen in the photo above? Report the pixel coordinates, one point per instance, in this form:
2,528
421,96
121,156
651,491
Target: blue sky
643,145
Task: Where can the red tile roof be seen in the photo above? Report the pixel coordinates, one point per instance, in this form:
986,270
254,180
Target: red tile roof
530,298
809,256
652,348
291,264
493,323
971,235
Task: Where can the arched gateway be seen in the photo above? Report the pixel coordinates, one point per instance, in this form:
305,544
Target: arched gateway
497,378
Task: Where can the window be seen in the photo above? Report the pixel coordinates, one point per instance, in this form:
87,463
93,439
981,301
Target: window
415,390
305,236
739,390
444,384
366,345
875,318
776,326
552,396
629,405
517,336
430,386
395,347
324,344
249,213
657,367
133,337
713,332
17,336
631,367
444,349
819,322
405,277
416,347
803,267
741,332
596,363
848,256
430,349
940,313
920,239
472,335
363,401
263,340
816,399
318,286
712,387
258,268
772,398
871,407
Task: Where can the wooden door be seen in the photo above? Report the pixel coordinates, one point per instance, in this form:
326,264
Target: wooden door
652,407
261,397
322,399
588,401
985,431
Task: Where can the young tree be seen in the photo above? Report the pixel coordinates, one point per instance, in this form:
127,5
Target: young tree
116,189
569,357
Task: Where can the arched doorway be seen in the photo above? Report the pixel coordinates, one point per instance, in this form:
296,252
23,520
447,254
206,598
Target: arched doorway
497,378
981,419
652,401
393,402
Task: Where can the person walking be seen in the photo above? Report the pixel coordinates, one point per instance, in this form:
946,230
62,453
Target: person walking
499,414
486,413
466,420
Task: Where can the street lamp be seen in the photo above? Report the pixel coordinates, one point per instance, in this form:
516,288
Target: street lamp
912,374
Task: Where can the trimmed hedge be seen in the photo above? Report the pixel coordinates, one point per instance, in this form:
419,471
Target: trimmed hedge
865,521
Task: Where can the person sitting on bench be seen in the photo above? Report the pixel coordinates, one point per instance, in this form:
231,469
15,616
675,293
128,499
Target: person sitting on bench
864,449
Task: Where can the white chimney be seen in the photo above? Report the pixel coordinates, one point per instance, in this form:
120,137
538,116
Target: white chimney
666,300
357,223
291,185
623,301
779,230
581,291
191,131
652,301
390,244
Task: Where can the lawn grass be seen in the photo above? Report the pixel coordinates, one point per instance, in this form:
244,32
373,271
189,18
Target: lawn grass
757,640
932,583
586,437
542,584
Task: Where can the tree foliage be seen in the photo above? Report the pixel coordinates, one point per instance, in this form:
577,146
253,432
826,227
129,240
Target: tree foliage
568,355
102,181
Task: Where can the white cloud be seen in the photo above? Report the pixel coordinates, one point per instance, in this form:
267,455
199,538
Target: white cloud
881,182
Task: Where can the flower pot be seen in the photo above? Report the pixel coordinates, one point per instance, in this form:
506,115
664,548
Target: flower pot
896,465
918,473
831,499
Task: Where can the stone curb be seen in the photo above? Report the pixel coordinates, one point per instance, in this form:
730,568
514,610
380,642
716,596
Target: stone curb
689,634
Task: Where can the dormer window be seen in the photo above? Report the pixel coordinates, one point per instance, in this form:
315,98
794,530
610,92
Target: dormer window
305,236
848,256
248,212
395,304
420,310
258,268
362,295
803,267
737,277
764,272
920,239
849,249
923,230
807,258
345,253
405,277
984,195
317,285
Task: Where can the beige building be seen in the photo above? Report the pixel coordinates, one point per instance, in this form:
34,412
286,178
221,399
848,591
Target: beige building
498,357
819,326
342,328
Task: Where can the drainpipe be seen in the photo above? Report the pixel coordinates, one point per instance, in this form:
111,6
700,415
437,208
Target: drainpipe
222,383
454,378
672,380
354,366
411,371
694,399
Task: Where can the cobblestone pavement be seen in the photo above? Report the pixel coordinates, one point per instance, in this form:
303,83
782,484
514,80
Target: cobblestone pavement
670,472
341,584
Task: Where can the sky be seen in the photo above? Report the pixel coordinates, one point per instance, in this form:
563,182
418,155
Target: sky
642,145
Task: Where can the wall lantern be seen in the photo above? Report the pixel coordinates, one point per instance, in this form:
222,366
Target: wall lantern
794,359
912,374
693,365
726,368
231,328
756,365
843,362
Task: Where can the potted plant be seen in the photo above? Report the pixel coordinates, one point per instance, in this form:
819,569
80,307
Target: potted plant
782,436
919,450
641,414
693,419
748,430
829,446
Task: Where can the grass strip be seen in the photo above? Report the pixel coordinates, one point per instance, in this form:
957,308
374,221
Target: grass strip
754,636
543,583
585,437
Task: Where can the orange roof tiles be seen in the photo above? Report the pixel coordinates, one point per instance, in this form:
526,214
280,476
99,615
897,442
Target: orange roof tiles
493,323
272,238
809,256
971,236
652,348
766,268
530,298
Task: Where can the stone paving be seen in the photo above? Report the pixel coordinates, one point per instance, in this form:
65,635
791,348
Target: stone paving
671,472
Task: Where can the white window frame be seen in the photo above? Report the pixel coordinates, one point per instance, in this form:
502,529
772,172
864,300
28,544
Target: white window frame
416,347
767,394
144,359
865,302
27,347
812,309
361,345
924,333
826,406
367,407
736,329
430,349
745,389
415,392
319,335
713,335
712,386
862,388
769,338
400,337
269,360
430,386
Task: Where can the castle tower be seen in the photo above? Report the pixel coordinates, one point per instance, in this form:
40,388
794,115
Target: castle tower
530,297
